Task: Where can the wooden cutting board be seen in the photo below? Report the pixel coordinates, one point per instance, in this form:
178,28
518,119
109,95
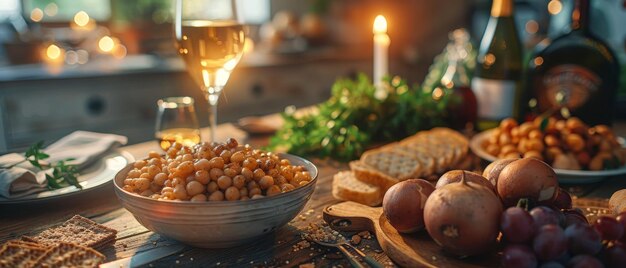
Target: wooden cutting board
418,249
407,250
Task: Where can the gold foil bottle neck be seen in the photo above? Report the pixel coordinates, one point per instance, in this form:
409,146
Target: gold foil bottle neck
502,8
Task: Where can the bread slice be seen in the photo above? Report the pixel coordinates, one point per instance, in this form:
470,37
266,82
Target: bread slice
78,230
371,176
19,255
70,255
393,163
347,187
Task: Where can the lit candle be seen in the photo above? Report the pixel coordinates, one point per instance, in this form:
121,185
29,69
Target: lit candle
381,52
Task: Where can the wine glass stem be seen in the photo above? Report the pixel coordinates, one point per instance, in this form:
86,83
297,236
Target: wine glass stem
213,99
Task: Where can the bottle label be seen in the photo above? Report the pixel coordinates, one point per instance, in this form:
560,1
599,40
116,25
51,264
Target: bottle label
496,98
568,86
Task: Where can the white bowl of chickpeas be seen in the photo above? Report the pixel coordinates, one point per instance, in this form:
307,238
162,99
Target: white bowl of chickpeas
216,195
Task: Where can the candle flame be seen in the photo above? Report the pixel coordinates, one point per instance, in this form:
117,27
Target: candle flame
380,24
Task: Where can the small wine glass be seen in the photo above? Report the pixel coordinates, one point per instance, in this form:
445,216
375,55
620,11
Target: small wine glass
210,39
176,122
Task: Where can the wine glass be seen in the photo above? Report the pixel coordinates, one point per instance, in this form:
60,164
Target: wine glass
210,39
176,122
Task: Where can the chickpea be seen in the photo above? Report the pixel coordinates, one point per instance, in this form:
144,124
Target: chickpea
155,196
247,173
597,162
250,163
202,176
252,184
194,188
224,182
155,188
231,143
185,168
583,158
535,134
129,181
198,198
168,183
134,173
128,188
145,176
232,193
603,130
202,164
509,155
216,196
525,128
243,192
533,154
142,184
551,140
215,173
258,173
244,197
301,176
187,157
144,169
140,164
212,187
288,173
257,196
273,172
509,148
177,181
254,191
153,154
605,146
239,181
167,189
265,182
237,157
154,162
574,123
146,193
180,192
534,145
218,149
216,162
159,179
508,124
230,172
553,152
575,142
287,187
279,180
226,156
491,149
273,190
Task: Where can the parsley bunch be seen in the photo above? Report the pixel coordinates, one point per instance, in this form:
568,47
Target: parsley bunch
353,119
62,173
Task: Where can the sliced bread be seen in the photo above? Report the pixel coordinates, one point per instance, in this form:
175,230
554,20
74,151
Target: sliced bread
372,176
347,187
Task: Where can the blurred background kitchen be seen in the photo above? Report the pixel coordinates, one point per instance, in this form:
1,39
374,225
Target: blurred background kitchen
101,65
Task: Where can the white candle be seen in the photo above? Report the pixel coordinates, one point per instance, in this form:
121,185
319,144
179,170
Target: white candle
381,54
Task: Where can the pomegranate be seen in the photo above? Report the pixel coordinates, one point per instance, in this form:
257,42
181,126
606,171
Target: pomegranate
456,175
492,171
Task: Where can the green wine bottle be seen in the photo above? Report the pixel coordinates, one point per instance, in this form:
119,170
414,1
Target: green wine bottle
497,78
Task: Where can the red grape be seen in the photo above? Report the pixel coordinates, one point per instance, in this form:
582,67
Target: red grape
583,239
517,225
544,215
550,242
609,228
563,200
574,216
621,218
517,255
615,256
584,261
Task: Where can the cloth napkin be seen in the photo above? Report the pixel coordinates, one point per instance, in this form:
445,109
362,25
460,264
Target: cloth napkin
84,146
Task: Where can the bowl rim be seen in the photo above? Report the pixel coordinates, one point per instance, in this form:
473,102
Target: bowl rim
297,191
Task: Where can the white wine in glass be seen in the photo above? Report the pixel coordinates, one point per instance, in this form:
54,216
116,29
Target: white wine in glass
210,40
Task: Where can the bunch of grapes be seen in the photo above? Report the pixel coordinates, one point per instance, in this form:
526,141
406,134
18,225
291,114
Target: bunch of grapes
560,236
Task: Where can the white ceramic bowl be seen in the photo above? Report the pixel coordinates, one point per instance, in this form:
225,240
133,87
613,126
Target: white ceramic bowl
217,224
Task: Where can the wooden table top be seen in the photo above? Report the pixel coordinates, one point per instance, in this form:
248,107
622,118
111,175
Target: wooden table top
273,250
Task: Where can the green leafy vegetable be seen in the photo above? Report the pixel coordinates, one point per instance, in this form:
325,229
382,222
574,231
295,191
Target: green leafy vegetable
62,173
353,119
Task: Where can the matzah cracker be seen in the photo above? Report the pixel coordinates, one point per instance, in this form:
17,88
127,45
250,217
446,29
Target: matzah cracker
78,230
25,243
396,164
70,255
16,255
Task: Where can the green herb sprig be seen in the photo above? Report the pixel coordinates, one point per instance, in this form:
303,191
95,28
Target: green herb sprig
62,173
353,119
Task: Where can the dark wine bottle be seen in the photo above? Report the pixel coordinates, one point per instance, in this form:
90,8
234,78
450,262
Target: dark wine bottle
576,74
497,77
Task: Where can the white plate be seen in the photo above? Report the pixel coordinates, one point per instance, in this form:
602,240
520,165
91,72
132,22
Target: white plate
95,175
564,175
